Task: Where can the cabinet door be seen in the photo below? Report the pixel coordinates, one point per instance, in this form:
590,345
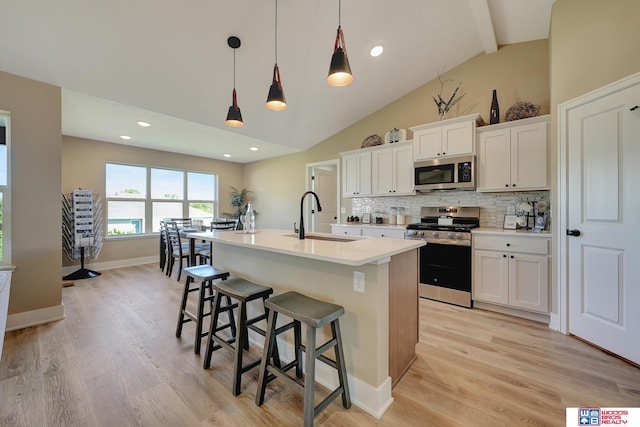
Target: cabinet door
491,276
346,229
356,174
382,232
427,144
457,139
364,174
403,177
529,281
529,157
382,172
350,175
494,160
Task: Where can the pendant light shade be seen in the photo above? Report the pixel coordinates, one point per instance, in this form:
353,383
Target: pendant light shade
275,99
234,117
339,70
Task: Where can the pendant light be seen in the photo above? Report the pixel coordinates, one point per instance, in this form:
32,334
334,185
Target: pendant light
339,70
234,117
275,99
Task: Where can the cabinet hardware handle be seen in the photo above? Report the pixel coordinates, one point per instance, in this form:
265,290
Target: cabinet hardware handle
513,185
511,256
573,232
506,185
444,154
634,108
504,255
508,244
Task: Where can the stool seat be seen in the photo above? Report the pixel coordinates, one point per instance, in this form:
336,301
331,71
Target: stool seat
241,289
205,272
305,309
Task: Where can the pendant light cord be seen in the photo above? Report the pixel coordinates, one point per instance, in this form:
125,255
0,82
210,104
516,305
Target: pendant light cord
339,12
276,34
234,69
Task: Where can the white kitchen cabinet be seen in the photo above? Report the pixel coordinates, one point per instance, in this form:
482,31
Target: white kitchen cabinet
383,232
513,157
356,174
394,232
511,271
451,137
392,170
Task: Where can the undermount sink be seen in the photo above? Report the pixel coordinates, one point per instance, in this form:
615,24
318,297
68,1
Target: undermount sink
328,238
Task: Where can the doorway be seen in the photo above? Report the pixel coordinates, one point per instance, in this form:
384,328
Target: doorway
323,178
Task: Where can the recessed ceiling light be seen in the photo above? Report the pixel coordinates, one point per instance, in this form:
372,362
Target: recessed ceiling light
144,124
227,155
127,137
254,148
376,51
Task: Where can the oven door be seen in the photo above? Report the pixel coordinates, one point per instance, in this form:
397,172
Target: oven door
445,273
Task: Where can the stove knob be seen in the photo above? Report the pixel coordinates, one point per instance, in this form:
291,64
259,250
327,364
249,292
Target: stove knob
434,234
421,233
457,236
449,235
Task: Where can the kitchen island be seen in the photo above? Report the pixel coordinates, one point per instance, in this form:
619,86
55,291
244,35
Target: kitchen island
380,325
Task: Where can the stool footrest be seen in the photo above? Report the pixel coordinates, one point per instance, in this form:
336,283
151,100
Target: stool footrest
327,400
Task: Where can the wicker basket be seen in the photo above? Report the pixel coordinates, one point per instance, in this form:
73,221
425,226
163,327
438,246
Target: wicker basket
521,110
372,141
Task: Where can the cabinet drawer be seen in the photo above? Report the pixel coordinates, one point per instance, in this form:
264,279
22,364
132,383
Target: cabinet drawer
512,244
382,232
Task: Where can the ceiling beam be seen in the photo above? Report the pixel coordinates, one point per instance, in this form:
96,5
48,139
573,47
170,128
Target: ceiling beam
486,32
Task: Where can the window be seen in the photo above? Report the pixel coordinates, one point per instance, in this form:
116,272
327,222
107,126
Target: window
139,197
5,194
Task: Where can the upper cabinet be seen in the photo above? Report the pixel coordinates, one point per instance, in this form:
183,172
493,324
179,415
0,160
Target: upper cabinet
513,156
384,170
392,170
356,174
451,137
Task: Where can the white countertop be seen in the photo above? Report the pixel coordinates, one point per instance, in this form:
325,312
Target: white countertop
357,251
503,232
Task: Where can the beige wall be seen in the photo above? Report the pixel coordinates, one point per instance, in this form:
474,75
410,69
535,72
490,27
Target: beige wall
518,72
592,43
83,166
35,180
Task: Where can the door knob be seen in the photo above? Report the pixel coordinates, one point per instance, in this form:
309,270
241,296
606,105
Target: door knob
573,232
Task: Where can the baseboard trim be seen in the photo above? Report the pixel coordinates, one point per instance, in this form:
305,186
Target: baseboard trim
34,317
536,317
111,264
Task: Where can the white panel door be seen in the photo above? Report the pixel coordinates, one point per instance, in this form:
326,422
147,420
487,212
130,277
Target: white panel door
325,186
603,142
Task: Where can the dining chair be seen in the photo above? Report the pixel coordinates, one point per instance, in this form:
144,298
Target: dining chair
178,249
183,222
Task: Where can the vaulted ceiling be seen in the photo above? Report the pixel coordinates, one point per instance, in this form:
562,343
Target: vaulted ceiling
168,63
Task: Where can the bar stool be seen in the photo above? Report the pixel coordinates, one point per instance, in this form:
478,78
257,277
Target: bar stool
315,314
205,274
243,292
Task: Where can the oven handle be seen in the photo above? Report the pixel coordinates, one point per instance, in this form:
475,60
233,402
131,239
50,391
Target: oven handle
449,242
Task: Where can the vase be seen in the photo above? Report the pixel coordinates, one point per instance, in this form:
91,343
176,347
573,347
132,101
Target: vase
494,116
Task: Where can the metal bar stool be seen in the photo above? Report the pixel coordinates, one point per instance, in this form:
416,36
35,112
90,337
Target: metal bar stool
241,291
315,314
205,274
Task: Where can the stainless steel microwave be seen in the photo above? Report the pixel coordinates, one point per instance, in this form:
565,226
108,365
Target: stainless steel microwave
448,173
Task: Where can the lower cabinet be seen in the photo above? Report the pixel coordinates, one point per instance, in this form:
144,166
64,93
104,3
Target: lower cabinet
511,271
370,231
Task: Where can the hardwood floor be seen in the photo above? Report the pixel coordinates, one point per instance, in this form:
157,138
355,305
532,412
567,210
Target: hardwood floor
115,361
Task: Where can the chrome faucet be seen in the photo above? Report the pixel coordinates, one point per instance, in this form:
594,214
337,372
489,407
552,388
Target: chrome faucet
301,231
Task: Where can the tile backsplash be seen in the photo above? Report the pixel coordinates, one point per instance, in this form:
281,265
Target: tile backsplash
493,206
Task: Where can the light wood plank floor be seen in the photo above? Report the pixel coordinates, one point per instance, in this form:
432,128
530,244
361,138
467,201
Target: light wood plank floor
114,361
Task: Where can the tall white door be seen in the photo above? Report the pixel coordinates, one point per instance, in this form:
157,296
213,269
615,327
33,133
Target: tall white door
325,186
603,206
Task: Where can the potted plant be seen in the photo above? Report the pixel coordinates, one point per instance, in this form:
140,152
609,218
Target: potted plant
239,203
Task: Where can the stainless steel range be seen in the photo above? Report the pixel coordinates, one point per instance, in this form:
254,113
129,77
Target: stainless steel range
445,262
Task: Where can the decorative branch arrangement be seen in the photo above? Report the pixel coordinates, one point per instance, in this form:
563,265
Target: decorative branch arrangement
445,106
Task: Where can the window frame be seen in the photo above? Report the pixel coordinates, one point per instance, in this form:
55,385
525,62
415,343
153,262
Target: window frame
149,201
5,192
